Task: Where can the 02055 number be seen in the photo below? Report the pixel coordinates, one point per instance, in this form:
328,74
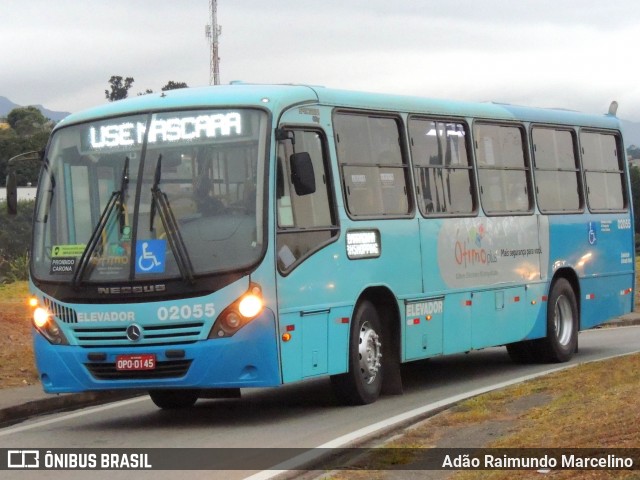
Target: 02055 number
186,312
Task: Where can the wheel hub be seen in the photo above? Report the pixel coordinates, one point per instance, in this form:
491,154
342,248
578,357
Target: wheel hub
370,352
563,320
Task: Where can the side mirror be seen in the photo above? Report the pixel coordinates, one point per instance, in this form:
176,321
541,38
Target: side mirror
12,193
302,175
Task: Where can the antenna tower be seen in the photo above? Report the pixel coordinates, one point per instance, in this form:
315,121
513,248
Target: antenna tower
212,32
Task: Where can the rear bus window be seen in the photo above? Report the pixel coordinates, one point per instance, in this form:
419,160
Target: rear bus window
603,171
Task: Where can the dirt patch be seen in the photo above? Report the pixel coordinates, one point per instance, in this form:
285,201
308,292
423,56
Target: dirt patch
17,364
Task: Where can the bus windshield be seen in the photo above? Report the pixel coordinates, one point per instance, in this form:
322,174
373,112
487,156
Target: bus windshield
148,197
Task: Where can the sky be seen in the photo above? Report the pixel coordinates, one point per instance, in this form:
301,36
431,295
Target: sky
573,54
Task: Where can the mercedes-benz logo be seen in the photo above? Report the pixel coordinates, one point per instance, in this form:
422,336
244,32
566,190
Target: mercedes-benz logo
134,332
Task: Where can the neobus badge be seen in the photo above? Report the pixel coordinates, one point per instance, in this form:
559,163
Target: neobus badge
363,244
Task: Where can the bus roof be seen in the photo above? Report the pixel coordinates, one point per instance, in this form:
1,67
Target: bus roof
281,97
453,108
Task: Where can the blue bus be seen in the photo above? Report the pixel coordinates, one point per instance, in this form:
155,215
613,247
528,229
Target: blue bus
201,241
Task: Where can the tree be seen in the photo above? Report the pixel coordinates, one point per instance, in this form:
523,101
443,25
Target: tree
28,131
27,121
171,85
15,236
633,151
119,90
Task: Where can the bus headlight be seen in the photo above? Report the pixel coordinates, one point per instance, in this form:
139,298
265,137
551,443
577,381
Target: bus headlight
41,317
250,305
239,313
45,324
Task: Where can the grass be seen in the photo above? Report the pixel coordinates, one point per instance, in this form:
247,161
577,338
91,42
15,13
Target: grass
591,405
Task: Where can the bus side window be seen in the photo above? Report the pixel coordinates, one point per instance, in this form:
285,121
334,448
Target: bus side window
374,169
502,169
306,221
557,170
442,166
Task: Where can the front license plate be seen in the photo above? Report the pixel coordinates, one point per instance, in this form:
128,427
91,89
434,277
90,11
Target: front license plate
145,361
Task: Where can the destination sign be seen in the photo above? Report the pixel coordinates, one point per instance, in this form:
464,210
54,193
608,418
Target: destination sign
174,129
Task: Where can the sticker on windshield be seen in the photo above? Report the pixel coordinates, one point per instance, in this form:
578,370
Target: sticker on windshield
67,250
62,265
64,258
150,255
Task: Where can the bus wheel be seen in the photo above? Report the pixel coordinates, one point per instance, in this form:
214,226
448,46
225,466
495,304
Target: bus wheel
362,383
562,324
172,399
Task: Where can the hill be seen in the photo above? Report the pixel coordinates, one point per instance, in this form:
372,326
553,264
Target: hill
7,105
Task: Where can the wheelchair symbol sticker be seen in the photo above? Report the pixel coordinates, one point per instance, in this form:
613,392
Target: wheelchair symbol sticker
150,256
592,233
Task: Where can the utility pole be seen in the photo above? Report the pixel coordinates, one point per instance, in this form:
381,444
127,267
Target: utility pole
212,32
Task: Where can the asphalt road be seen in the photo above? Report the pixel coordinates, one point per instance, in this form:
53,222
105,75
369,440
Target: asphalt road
304,415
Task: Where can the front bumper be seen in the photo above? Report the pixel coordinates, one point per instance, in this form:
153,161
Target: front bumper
247,359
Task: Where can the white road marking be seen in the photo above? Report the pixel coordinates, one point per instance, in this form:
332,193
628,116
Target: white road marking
80,413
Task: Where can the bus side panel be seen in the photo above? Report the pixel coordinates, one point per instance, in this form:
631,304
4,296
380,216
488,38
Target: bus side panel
457,323
604,298
486,267
306,354
317,343
501,316
612,294
423,328
598,248
537,308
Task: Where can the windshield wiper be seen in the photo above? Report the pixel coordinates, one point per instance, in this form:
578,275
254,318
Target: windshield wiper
160,201
117,198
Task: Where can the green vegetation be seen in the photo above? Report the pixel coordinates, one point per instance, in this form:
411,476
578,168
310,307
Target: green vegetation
28,131
14,241
119,87
16,291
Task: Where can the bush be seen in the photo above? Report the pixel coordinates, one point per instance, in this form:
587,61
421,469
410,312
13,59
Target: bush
15,238
15,270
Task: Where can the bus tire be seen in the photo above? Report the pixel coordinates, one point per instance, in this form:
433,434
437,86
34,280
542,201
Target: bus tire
562,324
174,399
361,385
